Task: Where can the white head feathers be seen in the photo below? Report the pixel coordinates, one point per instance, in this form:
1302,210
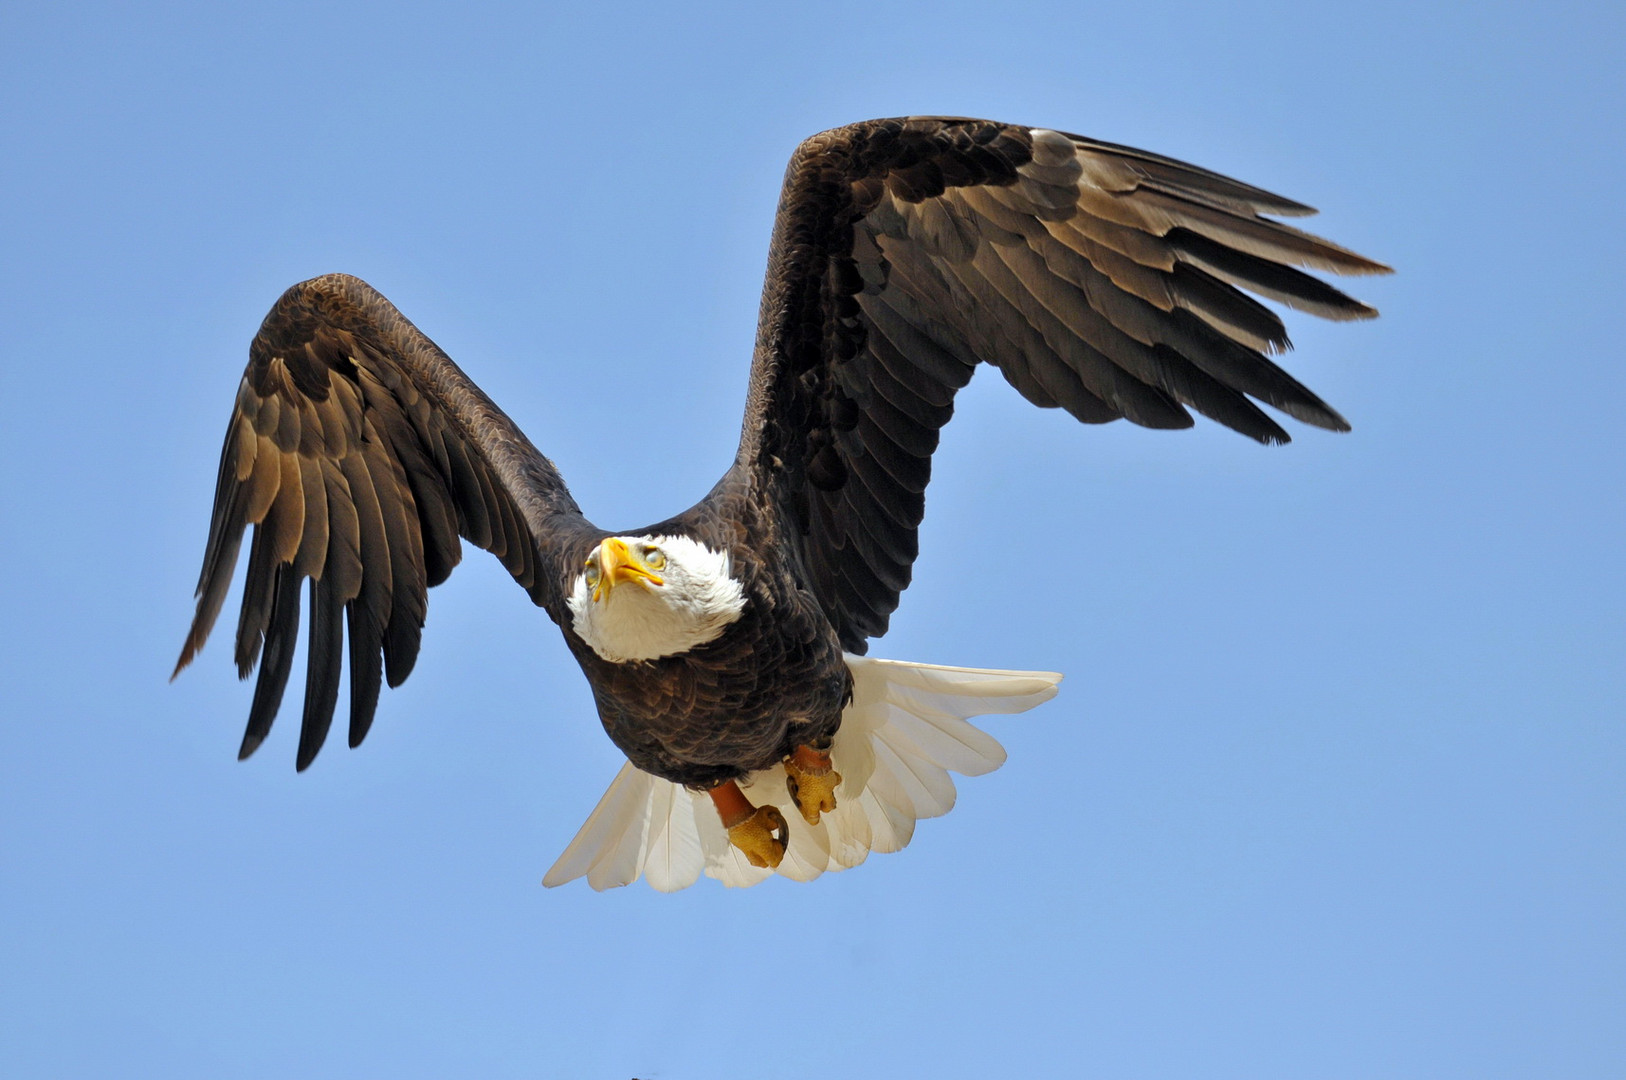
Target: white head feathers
689,601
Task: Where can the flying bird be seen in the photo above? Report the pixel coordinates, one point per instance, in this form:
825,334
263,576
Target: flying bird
725,646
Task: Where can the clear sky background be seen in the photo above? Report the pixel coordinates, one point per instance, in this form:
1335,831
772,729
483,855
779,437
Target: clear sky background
1335,785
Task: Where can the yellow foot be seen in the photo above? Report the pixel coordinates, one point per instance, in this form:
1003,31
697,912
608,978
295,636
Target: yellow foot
811,782
762,836
752,829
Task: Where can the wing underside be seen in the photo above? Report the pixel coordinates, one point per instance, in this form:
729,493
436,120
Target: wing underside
360,455
1099,279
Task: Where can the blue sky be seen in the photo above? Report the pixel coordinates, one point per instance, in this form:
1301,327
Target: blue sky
1333,788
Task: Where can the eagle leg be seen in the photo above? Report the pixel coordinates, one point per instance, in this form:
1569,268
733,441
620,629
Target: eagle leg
811,781
759,831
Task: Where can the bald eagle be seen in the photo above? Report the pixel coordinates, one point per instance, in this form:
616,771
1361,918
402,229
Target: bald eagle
725,646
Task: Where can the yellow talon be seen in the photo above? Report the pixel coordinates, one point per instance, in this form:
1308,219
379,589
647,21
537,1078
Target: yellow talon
811,782
756,836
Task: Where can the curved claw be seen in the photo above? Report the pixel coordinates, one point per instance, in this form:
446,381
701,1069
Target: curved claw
756,836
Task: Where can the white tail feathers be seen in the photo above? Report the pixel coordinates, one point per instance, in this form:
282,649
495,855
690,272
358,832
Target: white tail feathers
904,731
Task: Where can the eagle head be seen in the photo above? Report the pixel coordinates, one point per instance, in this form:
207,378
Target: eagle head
645,597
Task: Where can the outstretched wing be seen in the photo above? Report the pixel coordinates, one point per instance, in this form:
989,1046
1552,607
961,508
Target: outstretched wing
360,453
1099,279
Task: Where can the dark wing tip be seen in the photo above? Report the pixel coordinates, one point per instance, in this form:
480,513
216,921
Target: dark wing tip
189,652
1357,265
251,742
1356,312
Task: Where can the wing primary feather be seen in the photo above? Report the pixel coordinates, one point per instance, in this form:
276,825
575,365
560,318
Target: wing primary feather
321,671
1123,325
1240,367
280,639
1256,236
1271,280
212,591
219,559
259,584
1183,175
401,634
403,637
1190,384
1233,313
1175,373
374,596
366,670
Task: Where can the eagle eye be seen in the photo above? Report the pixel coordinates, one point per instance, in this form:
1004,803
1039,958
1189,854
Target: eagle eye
653,558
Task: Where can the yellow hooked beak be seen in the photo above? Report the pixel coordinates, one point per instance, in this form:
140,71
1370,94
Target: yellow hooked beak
617,563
